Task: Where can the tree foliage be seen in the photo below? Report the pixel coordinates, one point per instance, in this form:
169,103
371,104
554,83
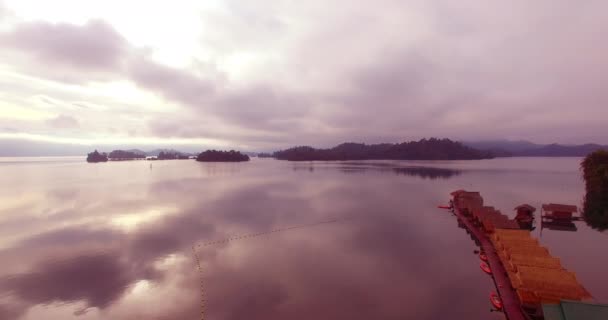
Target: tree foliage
595,173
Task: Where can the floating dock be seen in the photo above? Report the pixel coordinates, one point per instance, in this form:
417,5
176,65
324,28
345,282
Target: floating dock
526,276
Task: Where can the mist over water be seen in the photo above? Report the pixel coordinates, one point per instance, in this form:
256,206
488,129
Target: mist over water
307,240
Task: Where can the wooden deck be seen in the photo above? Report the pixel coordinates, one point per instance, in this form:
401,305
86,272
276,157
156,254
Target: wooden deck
511,305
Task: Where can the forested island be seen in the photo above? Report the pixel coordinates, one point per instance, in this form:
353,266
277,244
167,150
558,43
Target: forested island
118,155
221,156
425,149
96,156
595,173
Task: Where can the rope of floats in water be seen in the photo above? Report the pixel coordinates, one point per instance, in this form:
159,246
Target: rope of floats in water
202,286
242,237
259,234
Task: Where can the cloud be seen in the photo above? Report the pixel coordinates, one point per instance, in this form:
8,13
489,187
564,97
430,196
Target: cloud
63,121
470,76
93,46
11,312
262,107
174,84
270,75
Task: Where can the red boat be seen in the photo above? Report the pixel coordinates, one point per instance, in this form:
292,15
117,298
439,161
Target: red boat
485,267
483,256
495,300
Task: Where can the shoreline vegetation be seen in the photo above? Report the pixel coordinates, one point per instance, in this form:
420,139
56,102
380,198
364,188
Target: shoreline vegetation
425,149
595,173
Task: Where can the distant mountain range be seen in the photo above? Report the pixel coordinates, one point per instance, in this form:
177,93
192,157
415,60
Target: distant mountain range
522,148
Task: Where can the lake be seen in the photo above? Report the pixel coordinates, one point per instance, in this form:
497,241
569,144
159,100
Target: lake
310,240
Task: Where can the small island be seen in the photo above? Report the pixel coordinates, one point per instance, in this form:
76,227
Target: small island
95,156
425,149
222,156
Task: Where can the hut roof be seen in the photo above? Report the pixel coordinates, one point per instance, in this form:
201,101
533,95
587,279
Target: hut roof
525,206
457,192
552,207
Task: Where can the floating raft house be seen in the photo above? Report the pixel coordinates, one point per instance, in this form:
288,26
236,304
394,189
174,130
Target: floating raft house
531,282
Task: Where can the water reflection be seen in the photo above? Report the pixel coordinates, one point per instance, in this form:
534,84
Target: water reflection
431,173
559,225
595,210
121,248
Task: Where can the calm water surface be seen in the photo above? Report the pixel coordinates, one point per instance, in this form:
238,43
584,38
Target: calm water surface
114,240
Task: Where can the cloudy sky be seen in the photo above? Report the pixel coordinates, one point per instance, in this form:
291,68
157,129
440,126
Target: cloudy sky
261,75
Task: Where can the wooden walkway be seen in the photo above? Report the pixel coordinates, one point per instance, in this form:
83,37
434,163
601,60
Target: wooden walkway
511,305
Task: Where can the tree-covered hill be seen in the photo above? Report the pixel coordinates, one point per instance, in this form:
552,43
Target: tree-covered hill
425,149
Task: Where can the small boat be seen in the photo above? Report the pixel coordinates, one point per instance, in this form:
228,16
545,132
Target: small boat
444,207
495,300
485,267
483,257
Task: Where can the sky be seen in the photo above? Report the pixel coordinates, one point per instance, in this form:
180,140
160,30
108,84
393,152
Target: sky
264,75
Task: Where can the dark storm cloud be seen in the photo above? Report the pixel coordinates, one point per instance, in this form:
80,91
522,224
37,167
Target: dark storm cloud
95,45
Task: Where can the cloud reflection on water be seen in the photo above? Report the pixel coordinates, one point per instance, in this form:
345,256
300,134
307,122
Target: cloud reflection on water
385,261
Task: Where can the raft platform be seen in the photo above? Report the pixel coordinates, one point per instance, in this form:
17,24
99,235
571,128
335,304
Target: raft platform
527,278
511,304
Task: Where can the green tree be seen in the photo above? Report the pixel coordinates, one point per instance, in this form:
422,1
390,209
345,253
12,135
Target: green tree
595,173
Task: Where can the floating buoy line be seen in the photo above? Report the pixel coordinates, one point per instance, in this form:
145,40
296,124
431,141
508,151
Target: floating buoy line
202,286
259,234
197,260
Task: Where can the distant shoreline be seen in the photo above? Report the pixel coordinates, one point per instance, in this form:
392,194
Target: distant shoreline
134,155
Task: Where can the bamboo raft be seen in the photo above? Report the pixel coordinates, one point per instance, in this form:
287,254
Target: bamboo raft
524,273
